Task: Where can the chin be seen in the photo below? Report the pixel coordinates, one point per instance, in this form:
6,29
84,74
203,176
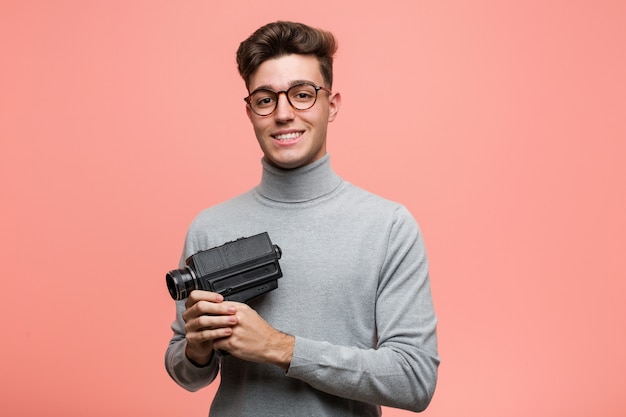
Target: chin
285,164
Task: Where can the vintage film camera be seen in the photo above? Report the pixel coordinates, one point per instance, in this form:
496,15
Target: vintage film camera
239,270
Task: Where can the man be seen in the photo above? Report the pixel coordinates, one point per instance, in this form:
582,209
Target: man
351,325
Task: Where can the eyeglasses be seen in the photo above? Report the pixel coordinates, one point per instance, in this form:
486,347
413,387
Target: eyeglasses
301,96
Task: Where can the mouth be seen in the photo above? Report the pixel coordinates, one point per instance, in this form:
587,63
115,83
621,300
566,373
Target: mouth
287,137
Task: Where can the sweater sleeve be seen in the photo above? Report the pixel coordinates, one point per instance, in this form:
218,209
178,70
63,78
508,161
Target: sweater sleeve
182,370
401,371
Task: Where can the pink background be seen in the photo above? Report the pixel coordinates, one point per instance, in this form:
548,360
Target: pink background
500,124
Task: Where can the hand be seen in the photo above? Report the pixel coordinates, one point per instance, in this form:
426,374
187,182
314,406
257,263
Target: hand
207,318
253,339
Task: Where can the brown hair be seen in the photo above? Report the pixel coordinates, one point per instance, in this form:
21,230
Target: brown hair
283,38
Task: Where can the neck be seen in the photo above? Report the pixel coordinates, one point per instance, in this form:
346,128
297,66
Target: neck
300,184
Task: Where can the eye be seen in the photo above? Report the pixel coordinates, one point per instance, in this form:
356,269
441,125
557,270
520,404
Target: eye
302,93
262,98
264,101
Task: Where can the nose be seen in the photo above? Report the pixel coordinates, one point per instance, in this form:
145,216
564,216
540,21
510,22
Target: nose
284,111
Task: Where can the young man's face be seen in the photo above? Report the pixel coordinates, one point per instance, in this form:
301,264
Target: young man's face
292,138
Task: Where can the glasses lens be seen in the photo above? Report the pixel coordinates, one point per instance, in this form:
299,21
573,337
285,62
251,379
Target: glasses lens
263,102
302,96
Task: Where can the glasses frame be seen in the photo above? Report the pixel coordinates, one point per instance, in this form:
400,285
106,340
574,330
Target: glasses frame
317,88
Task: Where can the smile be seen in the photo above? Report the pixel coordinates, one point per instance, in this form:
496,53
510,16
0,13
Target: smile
285,137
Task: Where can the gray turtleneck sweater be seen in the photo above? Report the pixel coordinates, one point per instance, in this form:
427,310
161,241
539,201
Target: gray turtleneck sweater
355,294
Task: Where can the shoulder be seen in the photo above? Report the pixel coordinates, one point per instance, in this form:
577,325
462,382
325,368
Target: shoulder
214,225
366,201
235,204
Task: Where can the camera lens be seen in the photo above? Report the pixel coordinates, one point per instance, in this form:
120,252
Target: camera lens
180,282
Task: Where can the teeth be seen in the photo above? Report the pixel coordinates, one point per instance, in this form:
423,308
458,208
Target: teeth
287,136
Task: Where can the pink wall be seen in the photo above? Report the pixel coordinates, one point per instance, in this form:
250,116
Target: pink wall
501,125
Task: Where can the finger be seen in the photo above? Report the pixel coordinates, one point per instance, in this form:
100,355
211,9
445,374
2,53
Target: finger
208,335
204,307
235,306
200,295
209,322
215,309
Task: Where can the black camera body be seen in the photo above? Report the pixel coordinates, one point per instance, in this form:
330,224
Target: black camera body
239,270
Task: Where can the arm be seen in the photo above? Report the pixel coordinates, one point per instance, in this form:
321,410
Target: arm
402,370
201,319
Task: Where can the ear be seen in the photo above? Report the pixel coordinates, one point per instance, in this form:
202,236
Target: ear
334,104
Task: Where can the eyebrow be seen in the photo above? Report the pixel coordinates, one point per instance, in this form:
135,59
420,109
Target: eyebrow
290,84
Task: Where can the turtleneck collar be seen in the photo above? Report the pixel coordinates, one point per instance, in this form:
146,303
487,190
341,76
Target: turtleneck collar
298,185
